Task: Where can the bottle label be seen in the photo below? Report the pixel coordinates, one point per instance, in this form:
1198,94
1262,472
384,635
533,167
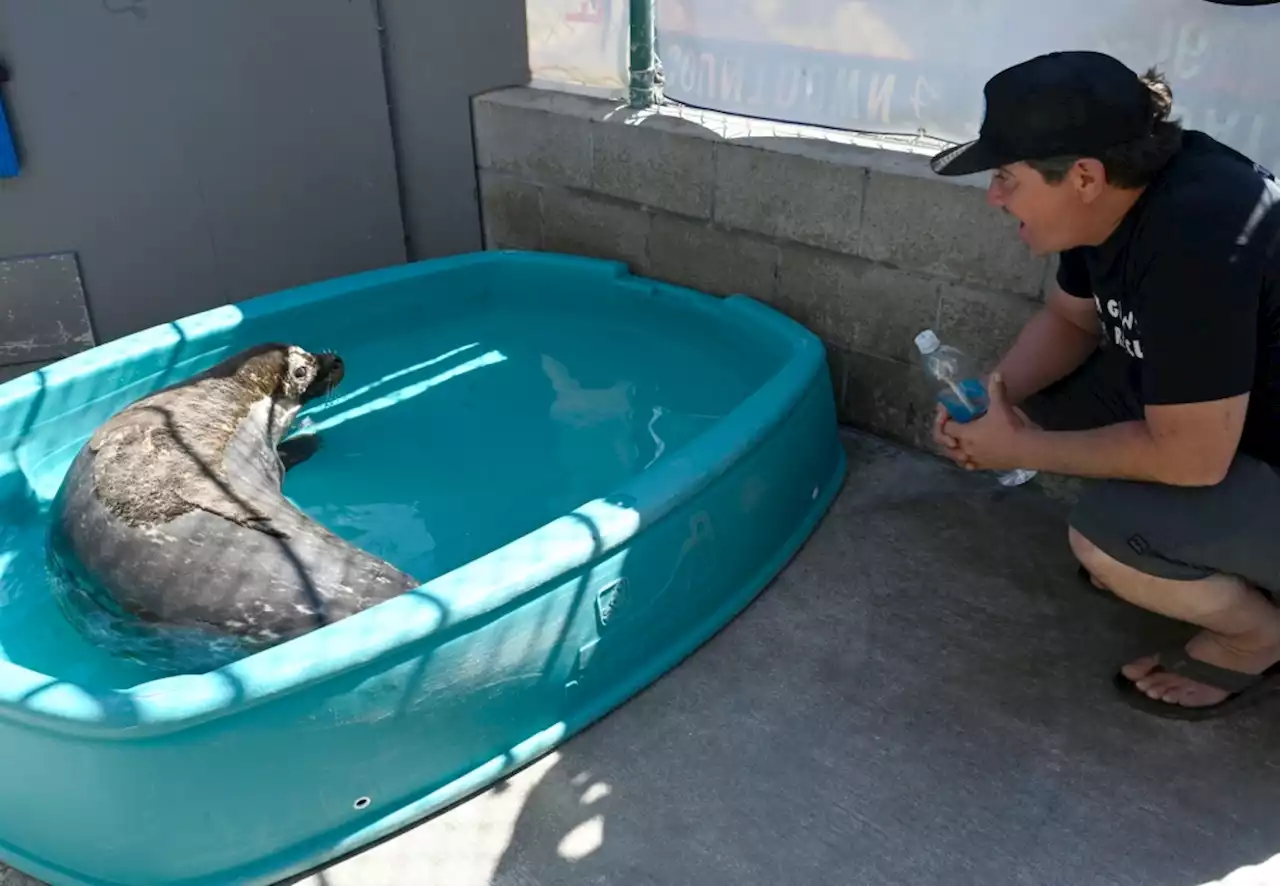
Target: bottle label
970,403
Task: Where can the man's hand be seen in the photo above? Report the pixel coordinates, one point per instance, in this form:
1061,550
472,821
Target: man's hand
992,442
945,441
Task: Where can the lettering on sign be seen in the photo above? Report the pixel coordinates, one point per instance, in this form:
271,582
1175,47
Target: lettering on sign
795,91
590,12
820,88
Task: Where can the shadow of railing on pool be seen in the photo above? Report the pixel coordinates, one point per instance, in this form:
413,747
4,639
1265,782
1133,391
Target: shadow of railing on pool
112,705
499,649
95,385
557,622
23,564
565,618
363,392
362,401
368,398
319,615
318,609
552,657
33,410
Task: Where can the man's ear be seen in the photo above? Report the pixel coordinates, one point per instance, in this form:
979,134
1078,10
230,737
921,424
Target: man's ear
1089,178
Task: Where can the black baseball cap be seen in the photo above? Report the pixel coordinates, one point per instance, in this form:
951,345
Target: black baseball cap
1073,103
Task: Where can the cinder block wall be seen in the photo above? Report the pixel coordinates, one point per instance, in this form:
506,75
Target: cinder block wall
864,246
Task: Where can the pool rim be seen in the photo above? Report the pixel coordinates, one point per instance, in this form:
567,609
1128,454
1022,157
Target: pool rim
174,703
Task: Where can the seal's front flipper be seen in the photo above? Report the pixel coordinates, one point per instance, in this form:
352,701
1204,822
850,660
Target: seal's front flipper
296,450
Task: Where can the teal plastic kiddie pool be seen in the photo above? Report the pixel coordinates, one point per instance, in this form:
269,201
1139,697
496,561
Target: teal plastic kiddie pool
590,472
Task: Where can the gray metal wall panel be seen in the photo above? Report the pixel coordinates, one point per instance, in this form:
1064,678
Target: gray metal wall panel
195,153
439,56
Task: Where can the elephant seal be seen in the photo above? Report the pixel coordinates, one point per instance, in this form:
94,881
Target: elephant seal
172,514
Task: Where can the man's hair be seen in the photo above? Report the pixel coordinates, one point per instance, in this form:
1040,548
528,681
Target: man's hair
1131,164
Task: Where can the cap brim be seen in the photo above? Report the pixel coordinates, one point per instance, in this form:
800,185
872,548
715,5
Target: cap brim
966,159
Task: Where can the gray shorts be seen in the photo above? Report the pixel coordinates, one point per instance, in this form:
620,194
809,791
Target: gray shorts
1171,532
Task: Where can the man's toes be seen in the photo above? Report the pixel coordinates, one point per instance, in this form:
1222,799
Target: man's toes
1158,685
1136,670
1194,695
1172,689
1174,692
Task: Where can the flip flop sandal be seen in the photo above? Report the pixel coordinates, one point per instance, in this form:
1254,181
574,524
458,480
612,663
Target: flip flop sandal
1245,689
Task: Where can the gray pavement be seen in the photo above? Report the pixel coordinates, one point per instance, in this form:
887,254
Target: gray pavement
922,697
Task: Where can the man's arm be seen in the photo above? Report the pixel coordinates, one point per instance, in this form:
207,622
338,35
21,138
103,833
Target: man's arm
1196,348
1189,444
1055,341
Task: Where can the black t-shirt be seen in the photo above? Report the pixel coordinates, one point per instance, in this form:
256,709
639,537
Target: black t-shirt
1189,286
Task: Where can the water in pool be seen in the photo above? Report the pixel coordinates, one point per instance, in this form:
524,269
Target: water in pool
442,444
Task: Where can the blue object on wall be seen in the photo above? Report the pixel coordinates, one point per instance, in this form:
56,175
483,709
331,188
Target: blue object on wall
8,153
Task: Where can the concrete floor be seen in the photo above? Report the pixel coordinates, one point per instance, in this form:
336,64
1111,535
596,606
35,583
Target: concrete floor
922,697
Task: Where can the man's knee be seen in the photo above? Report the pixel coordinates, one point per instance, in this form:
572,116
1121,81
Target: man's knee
1118,531
1088,555
1084,550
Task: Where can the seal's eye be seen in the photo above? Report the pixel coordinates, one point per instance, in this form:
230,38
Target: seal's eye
300,373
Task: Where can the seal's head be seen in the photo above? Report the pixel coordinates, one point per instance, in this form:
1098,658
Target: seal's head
286,375
284,371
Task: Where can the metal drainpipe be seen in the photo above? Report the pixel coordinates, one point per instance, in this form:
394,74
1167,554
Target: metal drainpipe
643,68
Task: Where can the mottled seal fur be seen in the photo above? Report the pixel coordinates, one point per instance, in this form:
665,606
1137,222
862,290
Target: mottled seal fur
174,509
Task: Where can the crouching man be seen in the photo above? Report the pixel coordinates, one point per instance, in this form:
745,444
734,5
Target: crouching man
1153,369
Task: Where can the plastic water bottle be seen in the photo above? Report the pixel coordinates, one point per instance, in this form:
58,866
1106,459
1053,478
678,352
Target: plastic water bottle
960,389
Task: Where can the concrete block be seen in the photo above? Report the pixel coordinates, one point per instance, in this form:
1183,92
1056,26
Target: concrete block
886,397
43,309
789,196
512,212
854,303
533,144
948,230
704,257
595,227
983,323
553,101
654,167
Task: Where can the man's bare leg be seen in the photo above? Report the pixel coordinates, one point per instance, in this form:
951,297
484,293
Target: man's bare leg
1241,627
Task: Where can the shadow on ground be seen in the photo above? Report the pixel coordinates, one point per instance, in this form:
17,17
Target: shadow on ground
922,697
